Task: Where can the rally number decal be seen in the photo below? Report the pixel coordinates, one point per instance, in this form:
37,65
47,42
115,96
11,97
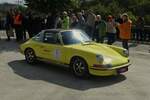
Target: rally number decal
57,54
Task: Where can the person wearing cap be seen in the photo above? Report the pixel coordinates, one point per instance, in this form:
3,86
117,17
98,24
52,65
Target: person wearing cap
65,21
125,30
111,30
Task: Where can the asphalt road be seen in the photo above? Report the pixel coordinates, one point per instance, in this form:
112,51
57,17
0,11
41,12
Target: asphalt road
21,81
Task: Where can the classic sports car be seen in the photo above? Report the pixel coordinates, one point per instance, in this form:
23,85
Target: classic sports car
75,48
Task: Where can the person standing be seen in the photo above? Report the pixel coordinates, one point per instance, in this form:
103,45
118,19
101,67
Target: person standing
24,26
65,21
74,21
120,21
51,21
125,30
140,35
111,30
29,25
0,22
90,23
81,21
9,25
18,25
96,28
100,27
58,21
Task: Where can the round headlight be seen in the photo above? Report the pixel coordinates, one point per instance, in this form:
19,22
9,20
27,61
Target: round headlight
99,58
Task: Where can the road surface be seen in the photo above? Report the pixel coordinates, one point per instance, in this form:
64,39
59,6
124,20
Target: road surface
21,81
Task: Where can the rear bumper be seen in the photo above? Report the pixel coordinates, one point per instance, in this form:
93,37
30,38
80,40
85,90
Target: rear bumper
110,71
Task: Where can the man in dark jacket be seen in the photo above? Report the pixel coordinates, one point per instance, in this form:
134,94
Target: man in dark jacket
9,25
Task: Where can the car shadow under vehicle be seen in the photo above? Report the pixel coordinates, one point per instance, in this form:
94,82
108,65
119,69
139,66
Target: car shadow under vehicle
61,76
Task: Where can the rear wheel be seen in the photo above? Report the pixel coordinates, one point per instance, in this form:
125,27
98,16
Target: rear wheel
79,67
30,56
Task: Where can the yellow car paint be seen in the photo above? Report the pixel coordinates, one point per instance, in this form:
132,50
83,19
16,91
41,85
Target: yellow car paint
63,54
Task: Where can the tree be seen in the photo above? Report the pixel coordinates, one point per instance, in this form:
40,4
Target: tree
103,7
52,5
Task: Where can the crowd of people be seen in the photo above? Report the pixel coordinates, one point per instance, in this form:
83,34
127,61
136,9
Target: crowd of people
98,29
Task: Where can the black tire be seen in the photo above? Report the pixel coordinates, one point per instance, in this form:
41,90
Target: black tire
30,56
79,67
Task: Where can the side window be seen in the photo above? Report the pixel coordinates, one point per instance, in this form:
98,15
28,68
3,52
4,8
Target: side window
38,37
51,38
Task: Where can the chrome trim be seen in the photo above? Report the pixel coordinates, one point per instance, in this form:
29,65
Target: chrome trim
113,68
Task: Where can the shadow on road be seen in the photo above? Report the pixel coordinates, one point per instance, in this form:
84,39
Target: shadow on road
60,76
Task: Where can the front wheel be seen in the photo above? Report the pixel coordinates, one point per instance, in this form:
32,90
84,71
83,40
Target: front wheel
30,56
79,67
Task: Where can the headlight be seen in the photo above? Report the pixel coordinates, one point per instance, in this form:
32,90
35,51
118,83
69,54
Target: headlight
126,53
99,58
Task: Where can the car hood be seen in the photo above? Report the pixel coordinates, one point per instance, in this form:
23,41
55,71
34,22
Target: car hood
104,50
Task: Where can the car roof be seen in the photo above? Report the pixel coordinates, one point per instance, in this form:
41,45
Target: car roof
57,30
53,30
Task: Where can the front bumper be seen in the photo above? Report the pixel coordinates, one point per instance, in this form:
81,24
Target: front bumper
109,71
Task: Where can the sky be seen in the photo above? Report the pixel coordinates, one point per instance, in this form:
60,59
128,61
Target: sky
12,1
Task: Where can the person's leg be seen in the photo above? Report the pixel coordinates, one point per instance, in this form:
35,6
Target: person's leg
29,33
24,34
90,33
144,35
109,38
113,38
21,33
97,38
87,30
17,33
8,36
102,39
141,35
137,35
93,33
148,36
125,44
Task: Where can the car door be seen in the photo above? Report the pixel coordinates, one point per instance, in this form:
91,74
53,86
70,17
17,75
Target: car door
51,48
37,44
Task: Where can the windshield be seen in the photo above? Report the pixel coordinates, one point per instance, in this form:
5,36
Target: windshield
74,37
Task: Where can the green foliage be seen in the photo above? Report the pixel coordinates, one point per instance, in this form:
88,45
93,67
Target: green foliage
102,7
132,16
21,8
147,19
115,7
52,5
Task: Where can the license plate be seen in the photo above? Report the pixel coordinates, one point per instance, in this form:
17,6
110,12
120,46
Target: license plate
122,70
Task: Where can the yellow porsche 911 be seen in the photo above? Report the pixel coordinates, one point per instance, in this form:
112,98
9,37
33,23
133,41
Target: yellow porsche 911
75,49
